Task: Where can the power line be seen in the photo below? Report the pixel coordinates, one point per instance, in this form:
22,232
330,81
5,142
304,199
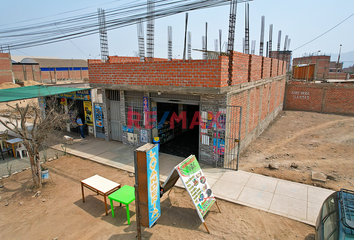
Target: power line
74,43
79,26
62,13
324,33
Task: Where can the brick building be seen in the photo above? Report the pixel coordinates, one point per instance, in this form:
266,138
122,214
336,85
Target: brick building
282,55
51,69
5,68
190,105
321,69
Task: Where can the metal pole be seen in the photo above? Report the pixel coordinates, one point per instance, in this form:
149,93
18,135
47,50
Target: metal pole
185,38
220,33
247,29
261,45
206,40
270,39
340,48
239,138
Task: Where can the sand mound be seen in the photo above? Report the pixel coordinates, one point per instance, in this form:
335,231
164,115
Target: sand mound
30,83
8,85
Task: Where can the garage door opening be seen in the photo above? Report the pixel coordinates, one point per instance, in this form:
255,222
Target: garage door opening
177,141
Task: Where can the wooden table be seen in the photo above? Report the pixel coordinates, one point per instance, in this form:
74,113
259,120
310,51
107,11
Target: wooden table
101,186
13,142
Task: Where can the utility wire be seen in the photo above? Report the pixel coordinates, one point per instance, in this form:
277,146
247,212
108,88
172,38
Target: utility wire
62,13
83,25
73,43
324,33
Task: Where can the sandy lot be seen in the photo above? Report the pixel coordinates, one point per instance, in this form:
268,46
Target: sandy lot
315,142
59,211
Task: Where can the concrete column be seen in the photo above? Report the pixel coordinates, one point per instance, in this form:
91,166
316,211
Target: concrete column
248,110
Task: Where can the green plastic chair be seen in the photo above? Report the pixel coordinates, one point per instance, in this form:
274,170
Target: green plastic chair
125,195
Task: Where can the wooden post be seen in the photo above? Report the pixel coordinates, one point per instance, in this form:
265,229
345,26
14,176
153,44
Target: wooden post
137,203
217,205
206,227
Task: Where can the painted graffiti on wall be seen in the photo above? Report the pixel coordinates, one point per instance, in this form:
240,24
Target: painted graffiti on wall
300,95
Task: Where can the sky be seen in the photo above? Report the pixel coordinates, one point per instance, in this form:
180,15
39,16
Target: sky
302,20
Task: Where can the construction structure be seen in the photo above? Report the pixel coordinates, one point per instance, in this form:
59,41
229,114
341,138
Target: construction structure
190,104
323,68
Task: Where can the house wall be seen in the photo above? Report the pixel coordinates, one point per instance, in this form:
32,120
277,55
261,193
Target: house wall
26,72
5,68
333,75
261,102
255,86
320,97
50,74
212,73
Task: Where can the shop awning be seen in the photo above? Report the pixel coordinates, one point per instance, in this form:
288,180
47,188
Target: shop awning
13,94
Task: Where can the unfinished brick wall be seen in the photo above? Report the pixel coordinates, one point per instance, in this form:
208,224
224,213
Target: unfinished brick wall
265,101
26,72
260,105
240,68
266,67
73,74
255,68
333,75
239,99
321,97
117,59
191,73
274,71
5,68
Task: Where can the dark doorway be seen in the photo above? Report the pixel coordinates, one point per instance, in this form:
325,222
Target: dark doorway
179,141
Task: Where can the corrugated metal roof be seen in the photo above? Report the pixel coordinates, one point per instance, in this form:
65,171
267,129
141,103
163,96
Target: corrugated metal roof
50,62
18,58
13,94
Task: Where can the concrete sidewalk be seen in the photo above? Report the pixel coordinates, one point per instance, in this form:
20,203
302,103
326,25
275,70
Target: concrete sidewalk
292,200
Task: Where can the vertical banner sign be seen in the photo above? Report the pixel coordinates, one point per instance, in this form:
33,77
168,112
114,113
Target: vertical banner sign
146,110
98,116
153,180
196,184
88,113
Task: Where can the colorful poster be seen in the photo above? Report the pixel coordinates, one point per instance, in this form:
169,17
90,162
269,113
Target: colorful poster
78,95
63,101
127,129
154,116
153,180
143,136
88,113
195,182
219,144
146,110
41,102
98,116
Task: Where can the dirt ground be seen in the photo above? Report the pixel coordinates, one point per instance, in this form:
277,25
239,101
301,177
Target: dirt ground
315,142
59,211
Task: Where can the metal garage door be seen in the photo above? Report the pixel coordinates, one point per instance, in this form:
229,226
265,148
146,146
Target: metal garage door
116,125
